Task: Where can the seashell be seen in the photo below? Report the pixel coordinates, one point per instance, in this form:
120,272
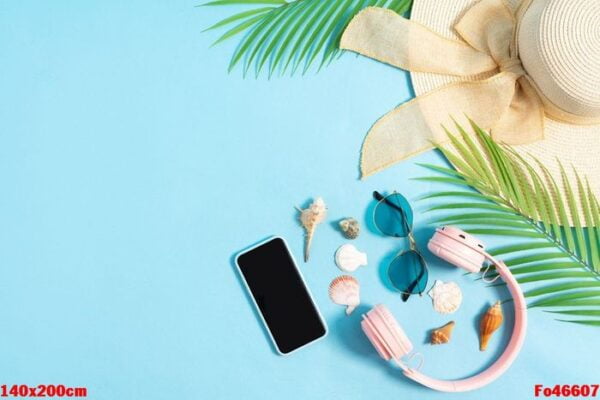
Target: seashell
442,335
350,228
490,322
310,218
447,297
345,291
348,258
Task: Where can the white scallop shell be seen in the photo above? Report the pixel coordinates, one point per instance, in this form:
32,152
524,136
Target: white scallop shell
345,291
446,297
348,258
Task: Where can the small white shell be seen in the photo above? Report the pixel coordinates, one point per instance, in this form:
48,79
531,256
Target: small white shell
348,258
446,297
345,291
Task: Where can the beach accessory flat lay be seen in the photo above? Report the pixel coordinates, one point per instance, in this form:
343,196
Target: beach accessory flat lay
407,272
528,70
466,252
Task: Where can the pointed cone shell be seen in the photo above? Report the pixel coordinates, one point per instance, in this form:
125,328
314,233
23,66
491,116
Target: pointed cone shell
348,258
345,291
442,335
490,322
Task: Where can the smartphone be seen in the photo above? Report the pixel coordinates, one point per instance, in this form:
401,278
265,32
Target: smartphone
281,295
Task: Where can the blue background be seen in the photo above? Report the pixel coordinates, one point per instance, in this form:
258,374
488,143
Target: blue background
133,168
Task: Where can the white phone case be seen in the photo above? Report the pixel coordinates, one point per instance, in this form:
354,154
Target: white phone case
303,282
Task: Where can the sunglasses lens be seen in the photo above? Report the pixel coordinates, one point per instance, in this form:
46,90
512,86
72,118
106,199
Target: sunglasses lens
408,273
393,216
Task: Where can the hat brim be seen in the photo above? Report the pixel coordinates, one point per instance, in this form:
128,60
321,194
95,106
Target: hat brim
575,146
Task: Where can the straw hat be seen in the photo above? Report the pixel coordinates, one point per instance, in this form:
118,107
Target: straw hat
547,50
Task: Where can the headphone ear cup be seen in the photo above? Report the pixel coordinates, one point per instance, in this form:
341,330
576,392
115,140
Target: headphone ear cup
456,247
451,257
385,333
375,339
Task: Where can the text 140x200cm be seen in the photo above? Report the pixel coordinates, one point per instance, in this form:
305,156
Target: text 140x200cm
42,391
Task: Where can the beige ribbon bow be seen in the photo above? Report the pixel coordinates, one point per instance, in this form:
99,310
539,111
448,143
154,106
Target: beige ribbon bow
507,103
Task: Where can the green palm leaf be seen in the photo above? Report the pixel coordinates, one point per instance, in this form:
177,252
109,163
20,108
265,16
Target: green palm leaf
535,257
576,303
238,16
566,299
281,33
554,223
546,266
467,216
590,322
514,248
588,313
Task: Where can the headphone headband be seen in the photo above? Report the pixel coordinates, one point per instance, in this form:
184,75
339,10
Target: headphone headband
503,362
391,343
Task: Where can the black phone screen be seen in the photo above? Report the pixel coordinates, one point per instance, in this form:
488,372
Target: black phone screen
280,293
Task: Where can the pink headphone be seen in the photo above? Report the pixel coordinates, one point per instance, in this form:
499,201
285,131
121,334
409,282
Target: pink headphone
464,251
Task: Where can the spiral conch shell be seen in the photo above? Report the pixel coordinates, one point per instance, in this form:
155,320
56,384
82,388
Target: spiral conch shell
447,297
310,218
345,291
348,258
442,335
490,322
